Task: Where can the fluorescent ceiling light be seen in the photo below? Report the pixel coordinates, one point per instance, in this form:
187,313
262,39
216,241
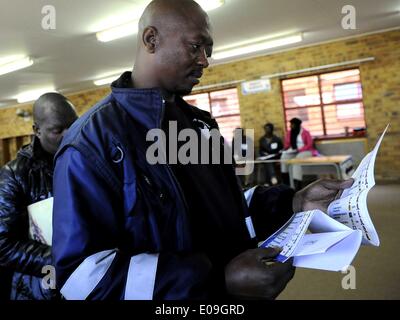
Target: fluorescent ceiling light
209,5
33,94
101,82
259,46
117,32
10,66
131,28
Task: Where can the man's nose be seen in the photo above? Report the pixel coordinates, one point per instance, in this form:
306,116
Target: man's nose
203,59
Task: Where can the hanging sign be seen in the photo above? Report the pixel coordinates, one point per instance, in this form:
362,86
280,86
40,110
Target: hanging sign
256,86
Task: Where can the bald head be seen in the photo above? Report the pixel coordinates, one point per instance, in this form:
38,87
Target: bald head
50,103
167,14
174,42
53,114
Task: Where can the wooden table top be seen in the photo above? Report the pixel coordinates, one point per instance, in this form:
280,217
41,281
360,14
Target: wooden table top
320,160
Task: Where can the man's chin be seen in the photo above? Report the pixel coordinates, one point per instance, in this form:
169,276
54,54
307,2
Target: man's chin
183,91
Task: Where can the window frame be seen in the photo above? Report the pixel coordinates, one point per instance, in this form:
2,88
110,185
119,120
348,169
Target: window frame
209,100
210,104
322,104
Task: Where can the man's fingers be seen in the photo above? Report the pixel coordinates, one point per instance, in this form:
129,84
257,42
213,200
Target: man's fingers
344,185
339,194
283,270
337,184
287,274
347,183
267,253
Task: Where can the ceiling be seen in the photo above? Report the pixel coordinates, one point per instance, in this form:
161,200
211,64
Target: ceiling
70,57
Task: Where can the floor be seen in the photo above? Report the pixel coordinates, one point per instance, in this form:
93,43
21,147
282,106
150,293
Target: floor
377,269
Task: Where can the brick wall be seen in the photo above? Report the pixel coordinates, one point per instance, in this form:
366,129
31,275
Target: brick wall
12,126
16,131
380,80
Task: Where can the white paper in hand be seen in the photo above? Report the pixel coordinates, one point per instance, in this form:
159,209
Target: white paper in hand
351,209
332,246
40,221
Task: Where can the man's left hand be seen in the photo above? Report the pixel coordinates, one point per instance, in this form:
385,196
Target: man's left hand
319,194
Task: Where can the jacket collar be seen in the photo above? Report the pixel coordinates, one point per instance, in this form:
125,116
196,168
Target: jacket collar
35,151
144,105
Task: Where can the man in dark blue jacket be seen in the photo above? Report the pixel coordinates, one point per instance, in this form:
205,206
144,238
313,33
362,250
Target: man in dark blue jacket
128,228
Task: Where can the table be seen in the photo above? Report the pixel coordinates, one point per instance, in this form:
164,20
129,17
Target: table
342,165
253,171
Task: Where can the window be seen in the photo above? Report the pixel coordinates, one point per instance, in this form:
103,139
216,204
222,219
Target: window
223,106
329,104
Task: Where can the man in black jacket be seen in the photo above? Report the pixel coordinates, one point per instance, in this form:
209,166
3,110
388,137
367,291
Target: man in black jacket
24,181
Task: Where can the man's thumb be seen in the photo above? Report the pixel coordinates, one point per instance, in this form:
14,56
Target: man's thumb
347,183
337,184
267,253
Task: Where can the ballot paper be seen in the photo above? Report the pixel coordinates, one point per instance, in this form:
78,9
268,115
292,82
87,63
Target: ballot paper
40,220
332,246
289,151
269,156
351,209
331,241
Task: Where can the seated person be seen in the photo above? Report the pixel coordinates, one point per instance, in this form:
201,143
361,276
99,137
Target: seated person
298,144
270,144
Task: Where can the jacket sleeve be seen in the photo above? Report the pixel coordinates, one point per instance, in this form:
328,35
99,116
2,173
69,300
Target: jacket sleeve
17,251
270,208
287,141
87,228
308,141
263,147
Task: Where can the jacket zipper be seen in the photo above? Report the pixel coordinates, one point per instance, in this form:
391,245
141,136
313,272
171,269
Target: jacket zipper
169,169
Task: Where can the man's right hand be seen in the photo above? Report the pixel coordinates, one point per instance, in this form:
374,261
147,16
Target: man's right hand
255,275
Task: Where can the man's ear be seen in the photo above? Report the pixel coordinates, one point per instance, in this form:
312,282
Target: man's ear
36,130
150,39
